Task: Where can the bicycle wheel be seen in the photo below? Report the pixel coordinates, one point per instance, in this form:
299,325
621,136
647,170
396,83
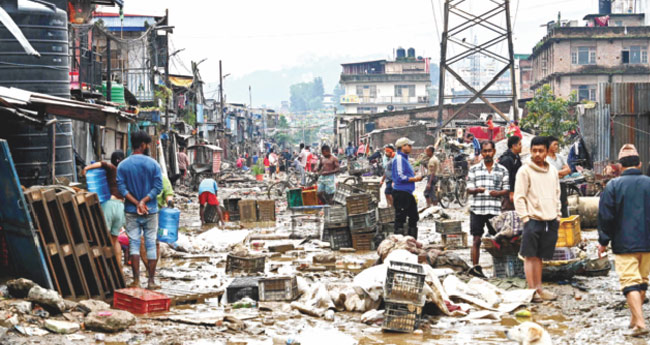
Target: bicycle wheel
277,189
461,192
441,192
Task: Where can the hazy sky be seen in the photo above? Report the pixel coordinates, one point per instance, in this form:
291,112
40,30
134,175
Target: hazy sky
251,35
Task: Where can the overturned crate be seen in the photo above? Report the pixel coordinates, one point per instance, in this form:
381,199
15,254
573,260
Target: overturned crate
278,289
401,317
248,210
242,287
386,215
244,264
339,238
266,210
363,241
448,226
404,282
362,222
359,204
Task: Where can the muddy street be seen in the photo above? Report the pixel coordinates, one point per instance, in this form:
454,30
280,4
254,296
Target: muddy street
589,310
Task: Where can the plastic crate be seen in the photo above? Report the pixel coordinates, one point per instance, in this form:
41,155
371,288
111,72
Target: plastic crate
363,241
373,188
358,166
508,266
232,207
449,226
343,191
210,214
266,210
358,204
386,215
401,317
239,264
294,197
340,238
568,234
387,228
362,222
563,254
243,287
455,241
278,289
336,214
247,210
404,282
140,301
310,198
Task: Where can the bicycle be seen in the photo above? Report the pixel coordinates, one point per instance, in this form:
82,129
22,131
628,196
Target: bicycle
279,188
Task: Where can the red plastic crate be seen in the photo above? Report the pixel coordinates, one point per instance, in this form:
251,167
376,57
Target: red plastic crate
140,301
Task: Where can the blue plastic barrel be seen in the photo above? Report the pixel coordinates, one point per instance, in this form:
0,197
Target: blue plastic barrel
168,219
97,183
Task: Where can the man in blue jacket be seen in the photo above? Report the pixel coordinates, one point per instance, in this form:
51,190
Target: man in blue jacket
139,180
403,187
624,220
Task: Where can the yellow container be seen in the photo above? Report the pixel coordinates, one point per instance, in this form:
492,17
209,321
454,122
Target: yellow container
568,235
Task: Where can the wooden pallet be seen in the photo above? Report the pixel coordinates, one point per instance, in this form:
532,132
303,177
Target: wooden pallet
55,256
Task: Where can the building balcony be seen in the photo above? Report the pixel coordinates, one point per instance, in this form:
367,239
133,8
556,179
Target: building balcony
354,99
386,78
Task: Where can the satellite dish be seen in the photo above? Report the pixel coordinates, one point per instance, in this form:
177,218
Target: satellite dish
390,107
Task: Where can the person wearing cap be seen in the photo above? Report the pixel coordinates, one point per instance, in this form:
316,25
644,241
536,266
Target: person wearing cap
403,187
389,151
537,203
624,220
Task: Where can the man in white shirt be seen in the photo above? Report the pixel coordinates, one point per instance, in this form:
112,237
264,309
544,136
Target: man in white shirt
302,157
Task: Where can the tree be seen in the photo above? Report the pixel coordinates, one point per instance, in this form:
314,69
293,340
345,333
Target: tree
338,92
282,122
307,96
549,115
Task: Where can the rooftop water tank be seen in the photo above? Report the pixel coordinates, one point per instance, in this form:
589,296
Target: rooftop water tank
604,7
46,28
411,53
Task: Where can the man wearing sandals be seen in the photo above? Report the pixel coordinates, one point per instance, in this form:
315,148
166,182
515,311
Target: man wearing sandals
139,180
624,220
537,202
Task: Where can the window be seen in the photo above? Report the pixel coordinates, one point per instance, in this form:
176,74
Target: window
635,55
404,90
367,90
587,92
583,56
366,110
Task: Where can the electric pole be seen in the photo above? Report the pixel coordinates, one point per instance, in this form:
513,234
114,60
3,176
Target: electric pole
467,18
223,124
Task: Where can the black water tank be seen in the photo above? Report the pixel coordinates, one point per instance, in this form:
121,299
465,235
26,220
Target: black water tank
411,53
46,28
604,6
401,53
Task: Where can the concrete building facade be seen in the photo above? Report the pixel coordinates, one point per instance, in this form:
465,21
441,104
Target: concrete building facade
378,86
579,58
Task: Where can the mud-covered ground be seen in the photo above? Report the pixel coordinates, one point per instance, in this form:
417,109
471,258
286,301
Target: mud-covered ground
588,311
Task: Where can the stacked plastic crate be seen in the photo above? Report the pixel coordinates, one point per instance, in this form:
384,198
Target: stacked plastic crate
403,296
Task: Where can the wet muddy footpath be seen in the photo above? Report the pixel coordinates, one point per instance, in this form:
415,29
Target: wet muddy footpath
589,310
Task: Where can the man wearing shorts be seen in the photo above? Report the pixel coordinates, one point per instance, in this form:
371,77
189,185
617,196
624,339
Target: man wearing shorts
487,182
114,207
623,220
208,195
433,165
537,203
327,169
139,180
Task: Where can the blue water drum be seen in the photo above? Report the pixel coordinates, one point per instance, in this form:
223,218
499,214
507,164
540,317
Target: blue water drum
97,183
168,219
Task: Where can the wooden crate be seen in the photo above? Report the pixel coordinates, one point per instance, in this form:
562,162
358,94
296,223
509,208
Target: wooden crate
386,215
448,226
248,210
358,204
363,241
265,210
278,289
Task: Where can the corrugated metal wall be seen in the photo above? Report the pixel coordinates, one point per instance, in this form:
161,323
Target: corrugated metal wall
621,116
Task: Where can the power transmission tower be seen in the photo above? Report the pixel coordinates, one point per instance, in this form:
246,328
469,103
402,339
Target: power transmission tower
465,19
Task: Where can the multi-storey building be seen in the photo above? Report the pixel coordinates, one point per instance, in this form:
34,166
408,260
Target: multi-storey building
382,85
611,48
